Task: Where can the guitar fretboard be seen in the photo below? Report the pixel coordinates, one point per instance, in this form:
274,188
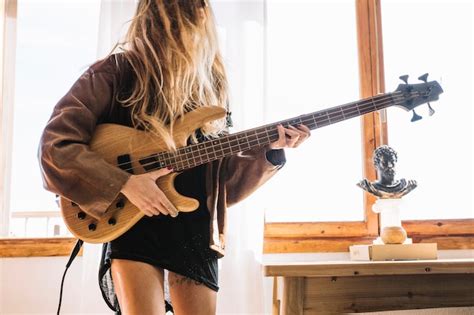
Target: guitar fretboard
210,150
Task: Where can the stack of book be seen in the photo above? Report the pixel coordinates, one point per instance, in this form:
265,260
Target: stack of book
394,251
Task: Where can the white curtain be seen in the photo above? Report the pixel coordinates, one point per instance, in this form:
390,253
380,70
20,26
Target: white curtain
113,24
241,281
240,27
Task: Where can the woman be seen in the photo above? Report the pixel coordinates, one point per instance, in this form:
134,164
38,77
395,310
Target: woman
169,65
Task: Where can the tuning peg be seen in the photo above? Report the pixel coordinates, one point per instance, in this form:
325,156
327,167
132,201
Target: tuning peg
415,117
432,111
423,77
404,78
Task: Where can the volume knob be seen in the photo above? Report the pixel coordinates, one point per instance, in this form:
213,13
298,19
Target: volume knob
120,204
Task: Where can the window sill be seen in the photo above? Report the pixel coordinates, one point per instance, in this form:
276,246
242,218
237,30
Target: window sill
338,236
37,247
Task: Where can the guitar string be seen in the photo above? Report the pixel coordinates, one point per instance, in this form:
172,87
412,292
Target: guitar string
359,107
181,163
234,146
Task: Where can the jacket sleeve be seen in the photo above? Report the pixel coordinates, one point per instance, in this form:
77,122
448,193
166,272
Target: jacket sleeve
68,166
245,172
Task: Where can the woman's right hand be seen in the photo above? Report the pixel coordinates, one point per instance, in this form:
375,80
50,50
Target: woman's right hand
143,192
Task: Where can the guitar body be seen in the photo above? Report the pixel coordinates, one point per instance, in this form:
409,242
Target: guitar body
113,141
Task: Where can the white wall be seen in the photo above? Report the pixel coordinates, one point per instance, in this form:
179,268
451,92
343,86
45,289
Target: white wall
31,286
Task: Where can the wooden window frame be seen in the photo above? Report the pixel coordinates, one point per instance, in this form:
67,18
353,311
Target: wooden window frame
338,236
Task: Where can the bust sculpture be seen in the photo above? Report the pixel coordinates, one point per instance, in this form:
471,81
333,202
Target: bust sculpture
386,187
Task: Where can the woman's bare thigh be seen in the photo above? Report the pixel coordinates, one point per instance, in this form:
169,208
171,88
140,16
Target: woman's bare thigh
191,297
138,286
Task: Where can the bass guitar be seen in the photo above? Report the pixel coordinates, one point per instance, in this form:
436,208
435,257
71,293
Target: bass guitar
138,152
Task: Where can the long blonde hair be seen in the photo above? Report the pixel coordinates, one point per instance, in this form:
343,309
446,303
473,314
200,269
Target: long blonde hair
173,51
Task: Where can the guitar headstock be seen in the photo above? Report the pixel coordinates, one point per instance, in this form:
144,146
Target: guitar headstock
410,96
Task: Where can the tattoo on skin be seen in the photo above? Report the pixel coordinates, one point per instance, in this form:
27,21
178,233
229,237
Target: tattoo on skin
178,279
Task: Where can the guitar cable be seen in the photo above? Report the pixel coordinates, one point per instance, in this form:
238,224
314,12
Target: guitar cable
73,255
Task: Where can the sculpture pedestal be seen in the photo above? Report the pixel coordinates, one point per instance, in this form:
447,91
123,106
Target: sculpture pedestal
391,230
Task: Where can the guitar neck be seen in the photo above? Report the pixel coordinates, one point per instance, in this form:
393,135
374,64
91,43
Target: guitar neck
208,151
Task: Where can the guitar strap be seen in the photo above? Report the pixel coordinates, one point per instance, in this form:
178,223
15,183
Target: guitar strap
73,255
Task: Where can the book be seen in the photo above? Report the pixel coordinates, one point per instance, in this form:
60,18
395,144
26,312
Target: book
394,251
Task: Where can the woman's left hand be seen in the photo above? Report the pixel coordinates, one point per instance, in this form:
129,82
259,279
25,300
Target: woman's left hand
290,137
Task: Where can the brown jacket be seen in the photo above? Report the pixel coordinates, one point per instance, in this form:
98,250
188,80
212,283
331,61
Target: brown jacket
72,170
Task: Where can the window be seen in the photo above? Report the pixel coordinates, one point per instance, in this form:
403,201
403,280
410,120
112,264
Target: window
437,150
48,60
424,147
311,62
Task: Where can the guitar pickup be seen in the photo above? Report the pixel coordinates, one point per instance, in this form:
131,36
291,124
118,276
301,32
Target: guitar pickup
151,163
125,163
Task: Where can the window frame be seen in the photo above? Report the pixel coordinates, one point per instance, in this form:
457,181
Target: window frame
338,236
7,57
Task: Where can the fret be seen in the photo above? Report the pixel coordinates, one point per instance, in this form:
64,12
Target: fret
342,112
254,143
272,134
352,111
221,147
245,146
241,142
358,109
175,159
251,138
234,143
196,155
293,122
366,110
373,104
334,115
216,155
210,152
266,134
215,143
323,119
179,159
202,153
182,158
308,122
259,138
385,102
227,149
313,117
248,143
188,155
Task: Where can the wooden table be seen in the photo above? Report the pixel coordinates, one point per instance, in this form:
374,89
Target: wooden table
335,287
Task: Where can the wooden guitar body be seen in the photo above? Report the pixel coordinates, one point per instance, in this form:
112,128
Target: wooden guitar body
128,146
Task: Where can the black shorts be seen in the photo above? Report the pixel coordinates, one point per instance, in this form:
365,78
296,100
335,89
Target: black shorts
180,244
